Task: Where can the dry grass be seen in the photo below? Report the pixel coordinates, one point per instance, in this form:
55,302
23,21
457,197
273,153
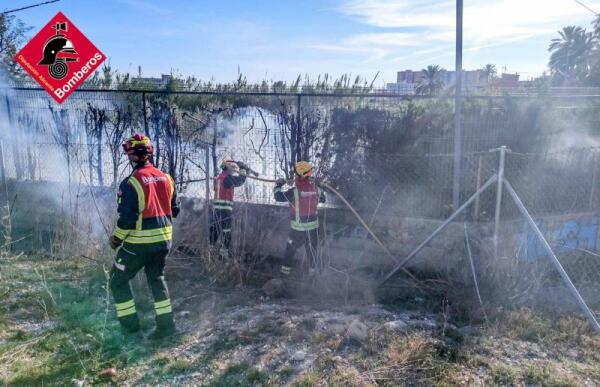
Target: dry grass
521,347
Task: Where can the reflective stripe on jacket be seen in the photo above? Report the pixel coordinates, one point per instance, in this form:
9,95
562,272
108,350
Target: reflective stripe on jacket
147,203
224,190
303,200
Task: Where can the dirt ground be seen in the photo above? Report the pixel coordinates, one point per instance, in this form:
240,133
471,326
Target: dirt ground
57,327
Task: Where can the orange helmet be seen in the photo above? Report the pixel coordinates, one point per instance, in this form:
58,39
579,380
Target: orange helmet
139,145
303,168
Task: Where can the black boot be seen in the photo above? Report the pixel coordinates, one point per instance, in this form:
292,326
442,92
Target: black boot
129,324
165,327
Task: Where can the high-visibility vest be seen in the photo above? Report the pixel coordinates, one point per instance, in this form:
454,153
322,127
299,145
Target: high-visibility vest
223,199
304,207
154,190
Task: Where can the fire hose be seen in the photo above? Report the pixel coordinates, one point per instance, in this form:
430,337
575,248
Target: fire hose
354,212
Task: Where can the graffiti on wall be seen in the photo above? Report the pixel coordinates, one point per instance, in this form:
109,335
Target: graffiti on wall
564,235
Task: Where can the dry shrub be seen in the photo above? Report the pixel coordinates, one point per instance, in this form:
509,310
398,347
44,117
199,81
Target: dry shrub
411,359
524,324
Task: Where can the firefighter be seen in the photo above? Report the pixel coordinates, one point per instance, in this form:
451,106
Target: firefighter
233,174
143,237
303,199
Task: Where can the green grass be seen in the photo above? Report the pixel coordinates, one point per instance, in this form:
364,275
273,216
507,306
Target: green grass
241,374
286,372
309,379
524,324
504,375
179,366
546,375
84,339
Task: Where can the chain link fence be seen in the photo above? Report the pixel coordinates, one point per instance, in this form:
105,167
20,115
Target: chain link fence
384,153
362,143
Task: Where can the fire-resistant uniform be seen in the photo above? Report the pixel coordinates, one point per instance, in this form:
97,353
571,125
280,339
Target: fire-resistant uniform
225,184
147,203
303,199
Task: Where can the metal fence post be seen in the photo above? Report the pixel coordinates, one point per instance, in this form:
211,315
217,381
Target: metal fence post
7,222
299,136
207,188
594,180
410,256
477,201
15,154
499,199
574,292
3,169
146,132
458,106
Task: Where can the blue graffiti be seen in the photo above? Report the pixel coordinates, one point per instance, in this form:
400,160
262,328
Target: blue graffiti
574,234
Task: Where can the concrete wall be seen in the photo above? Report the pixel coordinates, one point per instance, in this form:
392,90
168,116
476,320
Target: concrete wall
39,209
262,229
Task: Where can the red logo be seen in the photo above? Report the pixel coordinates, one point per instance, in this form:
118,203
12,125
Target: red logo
60,57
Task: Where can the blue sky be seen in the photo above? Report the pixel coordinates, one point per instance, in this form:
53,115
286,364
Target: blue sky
279,39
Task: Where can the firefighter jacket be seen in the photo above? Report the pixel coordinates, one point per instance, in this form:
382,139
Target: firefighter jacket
303,199
224,189
147,203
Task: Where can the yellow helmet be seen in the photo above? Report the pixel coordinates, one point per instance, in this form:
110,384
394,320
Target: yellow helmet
304,168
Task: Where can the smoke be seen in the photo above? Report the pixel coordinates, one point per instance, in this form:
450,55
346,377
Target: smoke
49,193
250,135
572,138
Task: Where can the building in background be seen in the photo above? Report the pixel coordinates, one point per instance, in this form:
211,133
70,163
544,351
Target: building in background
508,80
472,80
158,83
401,88
409,76
408,80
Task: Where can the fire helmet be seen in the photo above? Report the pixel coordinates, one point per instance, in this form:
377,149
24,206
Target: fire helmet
303,169
139,145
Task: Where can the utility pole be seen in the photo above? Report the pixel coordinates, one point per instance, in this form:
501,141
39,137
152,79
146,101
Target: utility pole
458,106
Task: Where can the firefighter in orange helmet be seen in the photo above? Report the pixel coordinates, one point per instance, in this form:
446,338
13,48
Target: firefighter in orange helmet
147,204
303,199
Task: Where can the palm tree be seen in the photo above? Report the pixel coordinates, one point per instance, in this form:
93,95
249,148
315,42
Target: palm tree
432,82
489,72
571,53
594,75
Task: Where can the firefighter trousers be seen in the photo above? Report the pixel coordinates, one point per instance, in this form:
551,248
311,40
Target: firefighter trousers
129,261
310,240
220,226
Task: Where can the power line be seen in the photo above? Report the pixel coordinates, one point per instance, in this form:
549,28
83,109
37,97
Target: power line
586,7
29,6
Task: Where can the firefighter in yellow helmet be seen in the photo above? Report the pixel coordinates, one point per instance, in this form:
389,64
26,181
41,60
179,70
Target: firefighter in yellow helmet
303,199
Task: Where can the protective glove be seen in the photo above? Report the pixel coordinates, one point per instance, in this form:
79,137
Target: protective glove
280,182
114,242
242,165
243,172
